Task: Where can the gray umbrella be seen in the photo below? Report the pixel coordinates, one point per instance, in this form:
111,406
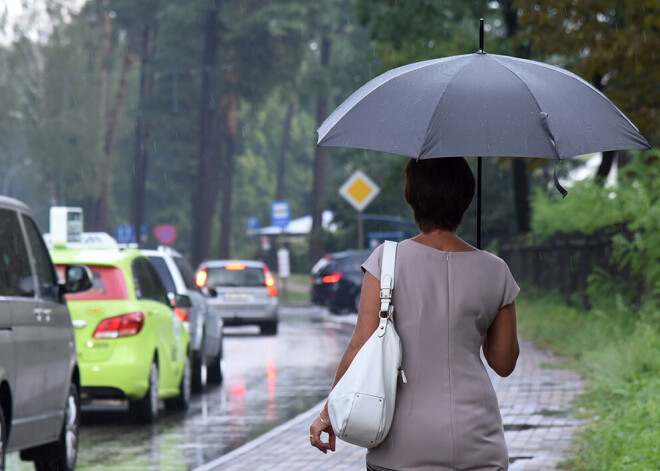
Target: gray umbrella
480,105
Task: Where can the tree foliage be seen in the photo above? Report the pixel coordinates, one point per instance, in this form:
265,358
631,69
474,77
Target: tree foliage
61,89
612,43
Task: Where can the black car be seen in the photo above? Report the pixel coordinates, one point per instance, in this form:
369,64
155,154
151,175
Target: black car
336,280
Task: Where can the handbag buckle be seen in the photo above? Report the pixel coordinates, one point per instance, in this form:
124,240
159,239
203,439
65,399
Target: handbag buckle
386,309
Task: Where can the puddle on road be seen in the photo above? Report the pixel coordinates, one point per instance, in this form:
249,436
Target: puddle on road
521,427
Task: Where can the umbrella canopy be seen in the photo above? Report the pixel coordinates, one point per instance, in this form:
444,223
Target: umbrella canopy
480,105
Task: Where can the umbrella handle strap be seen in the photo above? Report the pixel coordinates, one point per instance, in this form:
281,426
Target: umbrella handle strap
560,188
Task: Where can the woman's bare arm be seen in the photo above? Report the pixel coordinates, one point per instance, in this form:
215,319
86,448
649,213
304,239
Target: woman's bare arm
367,323
500,344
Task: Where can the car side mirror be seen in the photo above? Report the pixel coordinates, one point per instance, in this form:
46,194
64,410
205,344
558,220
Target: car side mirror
78,278
179,300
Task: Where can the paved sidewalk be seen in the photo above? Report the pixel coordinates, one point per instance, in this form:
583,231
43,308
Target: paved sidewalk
535,402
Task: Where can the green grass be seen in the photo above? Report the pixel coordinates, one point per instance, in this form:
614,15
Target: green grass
297,287
618,350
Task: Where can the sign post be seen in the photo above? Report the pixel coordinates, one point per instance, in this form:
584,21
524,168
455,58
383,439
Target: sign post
283,268
359,190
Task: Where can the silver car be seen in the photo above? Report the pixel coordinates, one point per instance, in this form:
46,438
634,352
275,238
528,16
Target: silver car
39,377
242,291
202,321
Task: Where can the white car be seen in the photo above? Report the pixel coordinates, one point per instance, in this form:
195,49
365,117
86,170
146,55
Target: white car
242,291
203,323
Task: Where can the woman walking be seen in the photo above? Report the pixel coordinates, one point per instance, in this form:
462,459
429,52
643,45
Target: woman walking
450,301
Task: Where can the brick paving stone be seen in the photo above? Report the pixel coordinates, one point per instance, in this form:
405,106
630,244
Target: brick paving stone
535,401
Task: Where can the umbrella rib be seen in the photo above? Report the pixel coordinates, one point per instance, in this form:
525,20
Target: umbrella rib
348,105
554,144
437,106
570,74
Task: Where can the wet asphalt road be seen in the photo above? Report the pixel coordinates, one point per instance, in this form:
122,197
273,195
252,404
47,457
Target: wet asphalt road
268,380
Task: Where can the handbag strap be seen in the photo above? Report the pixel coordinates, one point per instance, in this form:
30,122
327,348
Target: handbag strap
387,279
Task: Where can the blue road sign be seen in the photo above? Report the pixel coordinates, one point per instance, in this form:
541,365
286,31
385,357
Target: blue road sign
280,213
124,234
253,223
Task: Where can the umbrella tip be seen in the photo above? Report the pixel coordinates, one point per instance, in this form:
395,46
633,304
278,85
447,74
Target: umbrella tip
481,36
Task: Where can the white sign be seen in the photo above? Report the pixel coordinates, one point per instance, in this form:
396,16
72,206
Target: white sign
283,266
66,225
359,190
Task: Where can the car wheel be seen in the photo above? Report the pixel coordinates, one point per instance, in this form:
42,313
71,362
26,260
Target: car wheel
3,439
214,369
182,401
198,364
145,410
62,455
268,328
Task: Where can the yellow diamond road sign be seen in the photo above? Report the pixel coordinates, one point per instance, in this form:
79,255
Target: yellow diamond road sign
359,190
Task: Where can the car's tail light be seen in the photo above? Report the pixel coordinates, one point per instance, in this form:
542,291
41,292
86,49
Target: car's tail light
200,278
270,282
183,313
332,278
125,325
235,266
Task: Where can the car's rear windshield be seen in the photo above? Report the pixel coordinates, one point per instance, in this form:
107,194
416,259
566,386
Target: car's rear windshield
236,276
108,285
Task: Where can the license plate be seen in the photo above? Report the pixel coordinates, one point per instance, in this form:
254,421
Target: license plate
238,297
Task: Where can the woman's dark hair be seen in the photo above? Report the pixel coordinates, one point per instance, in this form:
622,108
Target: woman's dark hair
439,191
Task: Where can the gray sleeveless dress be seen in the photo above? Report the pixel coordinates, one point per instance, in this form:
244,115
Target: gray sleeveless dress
447,417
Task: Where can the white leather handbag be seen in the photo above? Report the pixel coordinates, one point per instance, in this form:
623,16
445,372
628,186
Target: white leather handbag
361,405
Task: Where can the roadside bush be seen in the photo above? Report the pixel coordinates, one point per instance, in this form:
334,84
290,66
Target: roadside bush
629,213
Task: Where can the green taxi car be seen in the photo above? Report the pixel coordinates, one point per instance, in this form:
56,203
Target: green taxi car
130,343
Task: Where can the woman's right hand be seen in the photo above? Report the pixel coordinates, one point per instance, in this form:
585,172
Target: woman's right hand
320,425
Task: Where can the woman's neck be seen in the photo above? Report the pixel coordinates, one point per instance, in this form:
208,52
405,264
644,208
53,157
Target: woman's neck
446,241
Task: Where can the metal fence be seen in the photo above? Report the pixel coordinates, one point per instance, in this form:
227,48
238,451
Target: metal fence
563,263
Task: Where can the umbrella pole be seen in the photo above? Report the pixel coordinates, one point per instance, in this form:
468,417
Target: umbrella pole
479,203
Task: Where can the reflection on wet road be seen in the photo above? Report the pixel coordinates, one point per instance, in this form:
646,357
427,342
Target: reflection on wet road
268,380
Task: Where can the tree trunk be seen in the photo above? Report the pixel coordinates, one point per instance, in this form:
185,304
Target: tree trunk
203,207
284,150
101,220
520,177
140,154
230,104
320,168
521,195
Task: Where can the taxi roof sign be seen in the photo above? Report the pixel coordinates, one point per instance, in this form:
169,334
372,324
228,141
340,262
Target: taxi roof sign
359,190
